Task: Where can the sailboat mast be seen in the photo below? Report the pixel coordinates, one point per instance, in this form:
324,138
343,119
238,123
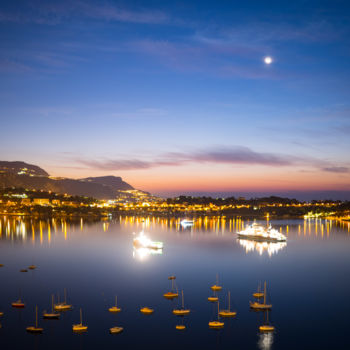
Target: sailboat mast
265,292
81,317
65,296
52,302
172,285
183,304
36,316
229,297
218,310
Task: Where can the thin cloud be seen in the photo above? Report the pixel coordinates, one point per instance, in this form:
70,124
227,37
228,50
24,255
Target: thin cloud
53,13
234,156
337,169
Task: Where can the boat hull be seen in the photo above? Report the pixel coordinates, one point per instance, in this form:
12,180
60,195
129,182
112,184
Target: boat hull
216,324
227,313
78,328
181,312
260,238
170,295
213,299
52,316
116,330
266,329
114,309
258,306
34,330
146,311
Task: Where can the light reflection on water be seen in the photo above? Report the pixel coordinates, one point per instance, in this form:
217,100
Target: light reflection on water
95,260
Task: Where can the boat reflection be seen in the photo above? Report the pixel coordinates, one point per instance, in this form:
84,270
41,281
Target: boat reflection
265,341
142,253
261,247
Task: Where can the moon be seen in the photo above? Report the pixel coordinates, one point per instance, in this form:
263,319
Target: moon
268,60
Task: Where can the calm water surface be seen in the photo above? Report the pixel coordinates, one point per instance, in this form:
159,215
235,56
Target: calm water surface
308,283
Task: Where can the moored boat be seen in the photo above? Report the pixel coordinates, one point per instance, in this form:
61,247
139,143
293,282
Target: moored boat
260,233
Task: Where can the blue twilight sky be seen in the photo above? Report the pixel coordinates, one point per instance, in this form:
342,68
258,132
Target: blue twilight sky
175,96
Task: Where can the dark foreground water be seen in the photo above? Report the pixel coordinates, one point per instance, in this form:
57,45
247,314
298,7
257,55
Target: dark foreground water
308,284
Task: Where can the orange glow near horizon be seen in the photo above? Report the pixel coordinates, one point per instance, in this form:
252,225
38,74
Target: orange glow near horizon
220,178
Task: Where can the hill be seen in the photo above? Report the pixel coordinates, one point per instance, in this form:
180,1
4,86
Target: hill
21,168
20,174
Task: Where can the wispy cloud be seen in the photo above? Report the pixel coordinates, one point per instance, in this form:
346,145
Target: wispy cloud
54,12
337,169
235,156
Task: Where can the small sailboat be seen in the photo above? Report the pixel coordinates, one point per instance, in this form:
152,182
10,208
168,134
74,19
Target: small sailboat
35,329
216,286
116,330
80,328
51,315
173,293
146,310
32,267
19,304
1,314
259,293
63,306
216,324
23,270
115,309
266,327
1,265
256,305
214,298
228,312
180,327
182,311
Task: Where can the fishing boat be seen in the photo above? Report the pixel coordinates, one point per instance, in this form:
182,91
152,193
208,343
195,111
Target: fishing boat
259,233
36,329
266,327
216,286
51,315
63,306
80,328
115,309
116,330
217,324
32,267
182,311
228,312
173,293
259,293
256,305
146,310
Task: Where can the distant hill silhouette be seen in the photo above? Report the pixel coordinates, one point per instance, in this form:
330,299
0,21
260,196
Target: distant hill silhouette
16,167
115,182
20,174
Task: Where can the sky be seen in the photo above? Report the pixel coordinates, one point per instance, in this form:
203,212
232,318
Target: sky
175,96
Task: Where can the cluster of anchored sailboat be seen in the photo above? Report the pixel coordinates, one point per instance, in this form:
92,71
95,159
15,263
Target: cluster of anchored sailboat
259,304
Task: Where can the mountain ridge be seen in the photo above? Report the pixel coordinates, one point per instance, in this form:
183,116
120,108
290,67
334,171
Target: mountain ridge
21,174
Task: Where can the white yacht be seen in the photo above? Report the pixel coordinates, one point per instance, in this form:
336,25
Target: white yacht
259,233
